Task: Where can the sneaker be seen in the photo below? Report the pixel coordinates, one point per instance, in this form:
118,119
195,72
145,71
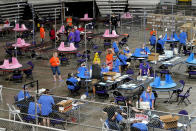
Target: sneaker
61,80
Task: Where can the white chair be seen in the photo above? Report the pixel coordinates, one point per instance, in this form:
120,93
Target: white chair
13,111
1,97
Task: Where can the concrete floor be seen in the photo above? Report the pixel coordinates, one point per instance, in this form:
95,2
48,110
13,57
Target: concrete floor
42,72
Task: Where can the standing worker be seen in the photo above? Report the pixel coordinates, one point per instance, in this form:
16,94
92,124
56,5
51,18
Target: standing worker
42,33
54,61
182,40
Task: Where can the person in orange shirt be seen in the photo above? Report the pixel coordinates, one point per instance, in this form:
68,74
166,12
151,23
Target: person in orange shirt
42,33
109,58
54,62
152,32
69,21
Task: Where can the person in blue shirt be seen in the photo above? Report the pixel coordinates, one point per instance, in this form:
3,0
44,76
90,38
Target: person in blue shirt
104,68
115,47
153,41
22,94
160,45
116,65
46,103
83,71
182,41
32,112
122,58
71,36
144,69
148,96
76,36
74,81
144,50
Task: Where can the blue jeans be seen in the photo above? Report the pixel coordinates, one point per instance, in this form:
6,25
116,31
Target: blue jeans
55,69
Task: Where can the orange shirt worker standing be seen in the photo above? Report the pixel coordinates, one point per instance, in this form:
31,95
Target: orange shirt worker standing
55,62
42,33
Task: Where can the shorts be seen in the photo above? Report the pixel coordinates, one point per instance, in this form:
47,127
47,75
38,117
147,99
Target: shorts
49,115
55,69
94,81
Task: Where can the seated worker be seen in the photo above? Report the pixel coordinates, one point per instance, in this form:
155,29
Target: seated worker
153,41
123,60
127,51
104,68
82,71
148,96
109,58
96,75
76,36
74,81
116,65
115,47
80,28
144,69
160,45
112,111
22,94
71,36
46,101
144,50
31,111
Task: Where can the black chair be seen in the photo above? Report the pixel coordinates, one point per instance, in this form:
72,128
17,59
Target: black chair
177,92
17,76
123,42
185,96
101,91
29,72
119,97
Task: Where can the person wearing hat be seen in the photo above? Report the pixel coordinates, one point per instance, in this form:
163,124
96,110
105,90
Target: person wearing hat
82,71
126,51
160,45
182,41
109,58
46,101
144,69
116,65
123,60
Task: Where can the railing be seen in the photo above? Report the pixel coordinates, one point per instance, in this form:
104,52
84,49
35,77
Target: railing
83,115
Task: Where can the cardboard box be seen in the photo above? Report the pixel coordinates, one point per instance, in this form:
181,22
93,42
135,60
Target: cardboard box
65,105
169,121
109,76
153,57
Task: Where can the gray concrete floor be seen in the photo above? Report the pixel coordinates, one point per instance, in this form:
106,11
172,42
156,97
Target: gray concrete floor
42,72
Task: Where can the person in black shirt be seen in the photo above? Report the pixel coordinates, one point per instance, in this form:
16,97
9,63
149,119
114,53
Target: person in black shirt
111,112
114,22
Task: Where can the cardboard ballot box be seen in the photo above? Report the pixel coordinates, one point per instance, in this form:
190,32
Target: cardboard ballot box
169,121
65,105
109,76
153,57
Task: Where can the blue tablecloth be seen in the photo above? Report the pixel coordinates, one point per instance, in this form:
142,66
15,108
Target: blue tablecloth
141,126
163,85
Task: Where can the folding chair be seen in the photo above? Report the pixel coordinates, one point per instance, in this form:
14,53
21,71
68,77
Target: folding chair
177,92
185,96
101,91
14,111
119,97
105,126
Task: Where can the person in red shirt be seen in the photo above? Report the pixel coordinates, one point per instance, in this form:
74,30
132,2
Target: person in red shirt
55,62
52,34
80,28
